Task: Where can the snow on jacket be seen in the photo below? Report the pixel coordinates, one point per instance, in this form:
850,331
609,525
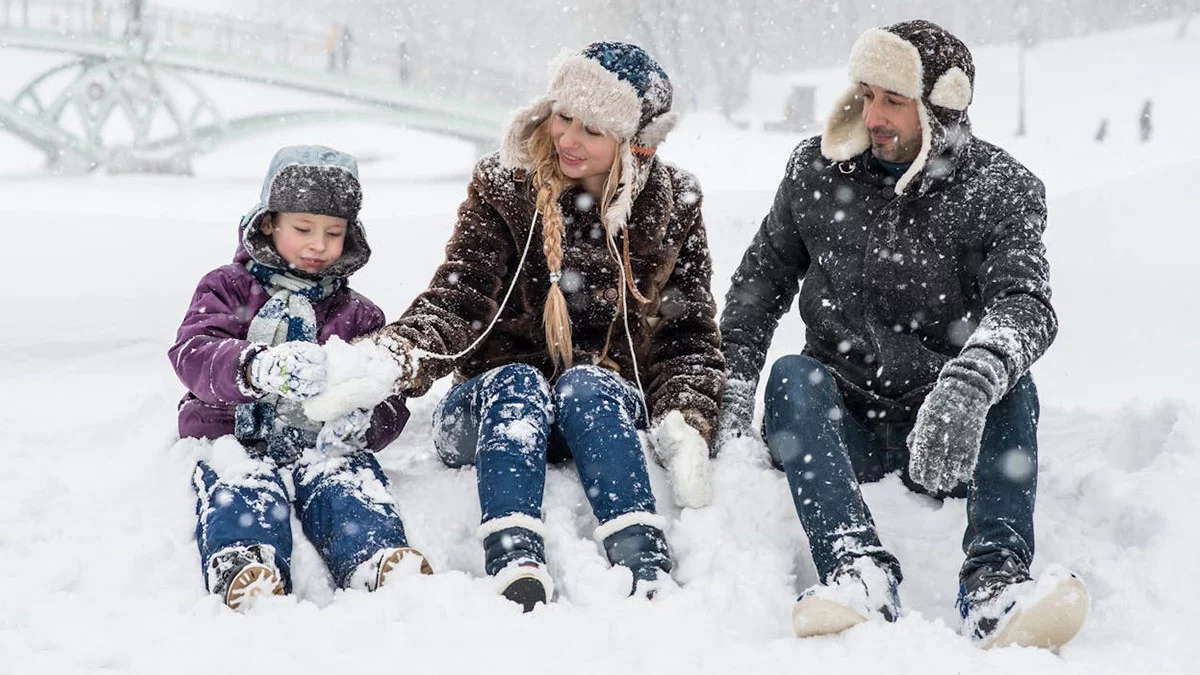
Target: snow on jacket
675,334
211,350
896,285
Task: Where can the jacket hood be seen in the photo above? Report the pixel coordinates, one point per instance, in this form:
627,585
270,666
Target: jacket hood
308,179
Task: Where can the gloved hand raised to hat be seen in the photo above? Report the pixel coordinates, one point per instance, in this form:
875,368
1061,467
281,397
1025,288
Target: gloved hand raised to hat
944,442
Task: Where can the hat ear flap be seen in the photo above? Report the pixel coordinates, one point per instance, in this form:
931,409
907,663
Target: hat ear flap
655,132
514,152
952,90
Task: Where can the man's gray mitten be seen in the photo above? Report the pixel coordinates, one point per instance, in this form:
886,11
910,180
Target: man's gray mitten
944,442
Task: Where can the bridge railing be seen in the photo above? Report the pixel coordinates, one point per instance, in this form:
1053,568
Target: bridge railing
335,49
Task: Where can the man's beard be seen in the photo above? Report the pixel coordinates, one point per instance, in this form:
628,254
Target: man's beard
897,151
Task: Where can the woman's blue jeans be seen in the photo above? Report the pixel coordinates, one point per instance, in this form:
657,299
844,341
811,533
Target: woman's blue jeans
509,422
827,452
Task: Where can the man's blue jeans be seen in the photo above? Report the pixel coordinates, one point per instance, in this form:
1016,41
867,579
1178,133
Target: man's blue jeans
827,452
509,422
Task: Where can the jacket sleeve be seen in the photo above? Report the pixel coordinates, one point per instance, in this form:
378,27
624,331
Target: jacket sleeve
687,370
389,417
461,299
1018,321
209,354
762,289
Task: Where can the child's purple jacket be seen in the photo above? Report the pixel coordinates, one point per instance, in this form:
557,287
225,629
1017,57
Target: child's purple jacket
211,349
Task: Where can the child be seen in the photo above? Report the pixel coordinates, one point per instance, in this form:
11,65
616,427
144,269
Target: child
248,352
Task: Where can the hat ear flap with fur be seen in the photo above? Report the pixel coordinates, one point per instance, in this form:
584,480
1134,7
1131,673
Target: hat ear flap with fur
952,90
655,132
514,152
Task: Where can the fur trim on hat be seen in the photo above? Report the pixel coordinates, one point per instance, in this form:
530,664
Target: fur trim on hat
584,89
887,60
922,157
514,150
952,90
845,134
656,130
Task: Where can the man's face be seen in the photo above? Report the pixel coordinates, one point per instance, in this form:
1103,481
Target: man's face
893,123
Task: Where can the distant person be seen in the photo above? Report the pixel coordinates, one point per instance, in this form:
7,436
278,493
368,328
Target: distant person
344,42
249,352
573,308
924,289
1145,129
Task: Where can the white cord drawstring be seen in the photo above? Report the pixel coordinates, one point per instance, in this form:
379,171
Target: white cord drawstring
637,378
421,354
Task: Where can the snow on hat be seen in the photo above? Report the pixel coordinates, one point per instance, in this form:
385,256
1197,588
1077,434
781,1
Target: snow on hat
313,179
309,179
615,88
916,59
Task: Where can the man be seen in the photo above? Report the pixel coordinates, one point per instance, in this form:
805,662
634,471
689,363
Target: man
925,299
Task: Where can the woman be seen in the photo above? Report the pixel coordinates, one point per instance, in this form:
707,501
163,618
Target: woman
566,355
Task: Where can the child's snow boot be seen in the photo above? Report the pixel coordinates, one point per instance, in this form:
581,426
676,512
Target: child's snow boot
636,541
1004,606
859,589
239,574
389,564
515,556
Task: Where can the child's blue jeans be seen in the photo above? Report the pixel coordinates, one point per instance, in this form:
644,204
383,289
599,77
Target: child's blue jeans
343,504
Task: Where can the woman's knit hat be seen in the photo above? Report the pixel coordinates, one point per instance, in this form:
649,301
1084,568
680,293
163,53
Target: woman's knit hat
615,88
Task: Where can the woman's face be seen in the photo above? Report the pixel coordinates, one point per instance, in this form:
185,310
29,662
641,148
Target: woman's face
583,153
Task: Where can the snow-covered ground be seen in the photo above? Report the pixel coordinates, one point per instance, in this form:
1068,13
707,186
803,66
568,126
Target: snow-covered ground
98,566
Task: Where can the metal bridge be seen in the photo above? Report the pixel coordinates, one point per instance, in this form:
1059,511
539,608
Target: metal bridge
125,101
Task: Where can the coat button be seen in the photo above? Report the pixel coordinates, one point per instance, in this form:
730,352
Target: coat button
610,294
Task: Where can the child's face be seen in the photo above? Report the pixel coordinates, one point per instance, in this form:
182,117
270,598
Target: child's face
307,241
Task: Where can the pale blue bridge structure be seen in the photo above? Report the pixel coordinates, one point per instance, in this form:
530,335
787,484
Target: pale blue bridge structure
126,97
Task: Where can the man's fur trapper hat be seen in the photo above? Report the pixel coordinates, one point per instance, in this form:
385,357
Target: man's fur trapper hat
916,59
615,88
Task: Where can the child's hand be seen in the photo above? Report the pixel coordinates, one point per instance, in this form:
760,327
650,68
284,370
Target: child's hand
293,370
345,434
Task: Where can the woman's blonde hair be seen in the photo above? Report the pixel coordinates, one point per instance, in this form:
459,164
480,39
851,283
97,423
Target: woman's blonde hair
549,183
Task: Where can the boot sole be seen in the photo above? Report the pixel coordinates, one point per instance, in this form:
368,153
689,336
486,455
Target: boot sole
818,616
392,562
254,580
1049,623
525,591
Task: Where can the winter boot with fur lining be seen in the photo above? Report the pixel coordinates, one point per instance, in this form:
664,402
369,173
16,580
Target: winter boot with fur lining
240,574
636,541
389,564
514,555
1004,606
859,590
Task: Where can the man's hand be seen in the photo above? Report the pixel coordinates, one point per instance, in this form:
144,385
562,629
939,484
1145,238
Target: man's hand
944,442
294,370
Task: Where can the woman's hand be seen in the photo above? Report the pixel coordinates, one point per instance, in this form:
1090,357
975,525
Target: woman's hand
681,449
